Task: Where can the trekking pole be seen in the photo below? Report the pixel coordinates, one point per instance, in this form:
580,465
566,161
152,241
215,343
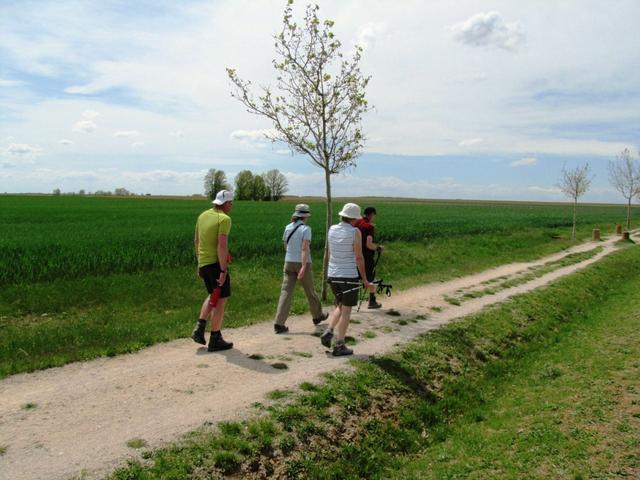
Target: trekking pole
359,286
378,255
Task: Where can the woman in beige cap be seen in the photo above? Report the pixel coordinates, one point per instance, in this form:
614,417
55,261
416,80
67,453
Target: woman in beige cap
297,266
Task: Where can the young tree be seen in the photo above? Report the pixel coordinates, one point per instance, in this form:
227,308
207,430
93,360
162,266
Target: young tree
276,184
624,175
258,188
214,181
244,185
56,191
574,183
319,101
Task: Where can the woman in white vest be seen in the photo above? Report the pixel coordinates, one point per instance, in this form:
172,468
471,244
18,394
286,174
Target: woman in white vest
346,268
297,266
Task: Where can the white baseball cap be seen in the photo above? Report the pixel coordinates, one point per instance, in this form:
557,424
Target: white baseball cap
350,210
223,196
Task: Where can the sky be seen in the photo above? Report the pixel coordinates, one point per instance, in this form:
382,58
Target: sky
472,99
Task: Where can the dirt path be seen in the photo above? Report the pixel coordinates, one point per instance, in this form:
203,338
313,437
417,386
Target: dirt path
85,413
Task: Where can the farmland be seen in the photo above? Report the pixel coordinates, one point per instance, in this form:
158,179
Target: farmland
46,238
84,276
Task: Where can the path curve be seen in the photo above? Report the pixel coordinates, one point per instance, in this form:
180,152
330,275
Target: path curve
86,412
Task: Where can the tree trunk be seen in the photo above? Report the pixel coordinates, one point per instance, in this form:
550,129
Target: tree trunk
629,214
573,233
325,259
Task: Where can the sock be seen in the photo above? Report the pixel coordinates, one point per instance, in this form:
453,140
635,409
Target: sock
217,335
372,298
202,324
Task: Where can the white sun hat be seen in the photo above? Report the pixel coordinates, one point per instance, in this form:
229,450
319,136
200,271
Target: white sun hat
350,210
302,211
222,197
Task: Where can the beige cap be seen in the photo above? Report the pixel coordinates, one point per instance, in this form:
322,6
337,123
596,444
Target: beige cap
302,210
350,210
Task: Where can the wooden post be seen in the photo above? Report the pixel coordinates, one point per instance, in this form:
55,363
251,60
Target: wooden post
626,236
618,229
596,234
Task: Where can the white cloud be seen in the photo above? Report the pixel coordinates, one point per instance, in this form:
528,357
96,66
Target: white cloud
368,33
8,83
479,77
544,190
470,142
177,134
489,29
254,137
349,185
137,144
164,176
525,162
22,150
127,134
86,126
90,114
65,141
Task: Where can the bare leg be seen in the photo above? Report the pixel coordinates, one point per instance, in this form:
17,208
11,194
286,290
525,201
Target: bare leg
217,315
344,323
206,308
335,317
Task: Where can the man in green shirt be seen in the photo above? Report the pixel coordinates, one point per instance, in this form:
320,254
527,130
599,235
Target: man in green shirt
211,245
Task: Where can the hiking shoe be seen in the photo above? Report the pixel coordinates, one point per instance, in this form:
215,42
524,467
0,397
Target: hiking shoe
374,305
218,344
198,336
280,328
341,350
323,316
326,338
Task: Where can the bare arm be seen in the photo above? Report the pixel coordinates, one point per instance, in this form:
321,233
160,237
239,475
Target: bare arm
304,258
305,253
223,252
373,246
196,247
223,257
370,244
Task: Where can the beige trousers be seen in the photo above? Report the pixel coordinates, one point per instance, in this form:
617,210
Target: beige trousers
290,277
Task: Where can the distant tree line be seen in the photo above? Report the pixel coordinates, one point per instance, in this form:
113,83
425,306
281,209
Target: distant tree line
118,192
268,186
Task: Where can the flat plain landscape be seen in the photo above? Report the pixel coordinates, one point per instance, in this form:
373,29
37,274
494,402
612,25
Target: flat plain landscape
458,378
82,277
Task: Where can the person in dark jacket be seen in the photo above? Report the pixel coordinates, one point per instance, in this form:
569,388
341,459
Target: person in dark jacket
369,249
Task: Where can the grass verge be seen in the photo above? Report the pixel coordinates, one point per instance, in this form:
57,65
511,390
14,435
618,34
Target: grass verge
571,349
503,283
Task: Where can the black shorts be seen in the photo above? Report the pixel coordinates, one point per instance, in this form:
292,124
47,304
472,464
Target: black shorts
369,267
345,290
210,274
